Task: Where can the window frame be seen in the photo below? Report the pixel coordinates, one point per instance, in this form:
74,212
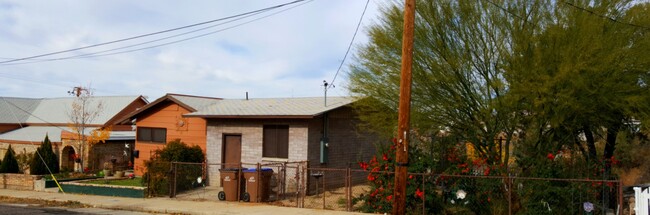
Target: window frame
277,151
150,136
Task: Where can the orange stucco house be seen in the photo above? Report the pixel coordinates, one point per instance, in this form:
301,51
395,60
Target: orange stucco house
162,121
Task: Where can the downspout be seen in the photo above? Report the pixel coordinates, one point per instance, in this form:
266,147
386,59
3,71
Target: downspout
324,141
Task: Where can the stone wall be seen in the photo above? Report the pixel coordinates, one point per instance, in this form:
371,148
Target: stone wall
18,181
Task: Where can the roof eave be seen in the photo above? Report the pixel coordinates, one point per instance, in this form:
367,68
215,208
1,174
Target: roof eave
252,116
166,97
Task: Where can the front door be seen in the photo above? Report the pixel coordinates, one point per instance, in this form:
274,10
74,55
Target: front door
231,151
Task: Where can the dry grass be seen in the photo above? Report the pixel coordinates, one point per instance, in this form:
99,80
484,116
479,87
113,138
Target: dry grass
333,199
44,203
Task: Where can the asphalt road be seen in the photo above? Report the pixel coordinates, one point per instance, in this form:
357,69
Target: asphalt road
20,209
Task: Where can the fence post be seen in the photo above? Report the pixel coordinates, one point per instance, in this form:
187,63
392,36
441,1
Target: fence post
509,183
175,177
259,182
424,195
297,177
323,187
349,188
620,197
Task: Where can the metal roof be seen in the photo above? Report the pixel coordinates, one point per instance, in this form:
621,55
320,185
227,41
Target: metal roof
34,134
195,102
56,110
192,103
122,135
272,107
37,134
16,110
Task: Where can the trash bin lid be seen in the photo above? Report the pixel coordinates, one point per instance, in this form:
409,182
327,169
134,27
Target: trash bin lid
233,169
261,170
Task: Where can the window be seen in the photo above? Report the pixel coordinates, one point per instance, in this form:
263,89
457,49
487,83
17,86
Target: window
158,135
276,141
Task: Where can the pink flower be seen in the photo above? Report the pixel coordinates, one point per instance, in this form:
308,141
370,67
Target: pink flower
390,197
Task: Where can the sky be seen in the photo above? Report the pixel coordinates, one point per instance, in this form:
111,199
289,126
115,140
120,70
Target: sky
287,54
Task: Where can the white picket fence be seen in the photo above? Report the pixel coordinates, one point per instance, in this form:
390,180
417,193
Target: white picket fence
641,198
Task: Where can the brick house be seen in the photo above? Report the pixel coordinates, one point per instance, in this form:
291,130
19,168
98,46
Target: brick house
162,121
24,122
284,129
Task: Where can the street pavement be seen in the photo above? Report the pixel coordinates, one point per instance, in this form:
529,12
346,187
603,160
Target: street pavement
27,209
167,205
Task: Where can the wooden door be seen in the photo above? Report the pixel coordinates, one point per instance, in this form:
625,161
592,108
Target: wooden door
231,151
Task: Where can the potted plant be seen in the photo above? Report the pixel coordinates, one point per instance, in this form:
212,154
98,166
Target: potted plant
107,169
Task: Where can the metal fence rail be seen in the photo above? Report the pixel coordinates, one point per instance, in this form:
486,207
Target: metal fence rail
293,184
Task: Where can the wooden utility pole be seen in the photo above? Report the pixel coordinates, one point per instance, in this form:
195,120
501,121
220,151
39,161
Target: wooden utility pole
401,152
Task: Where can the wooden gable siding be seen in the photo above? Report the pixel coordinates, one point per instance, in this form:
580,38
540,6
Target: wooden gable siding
8,127
135,105
168,115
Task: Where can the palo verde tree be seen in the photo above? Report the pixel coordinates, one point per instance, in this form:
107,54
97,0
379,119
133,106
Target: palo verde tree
582,78
44,159
458,82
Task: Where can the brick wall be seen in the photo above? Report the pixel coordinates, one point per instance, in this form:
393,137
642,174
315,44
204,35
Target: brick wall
24,147
251,132
18,181
347,145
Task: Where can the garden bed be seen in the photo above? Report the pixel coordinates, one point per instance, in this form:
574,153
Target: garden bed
49,183
102,187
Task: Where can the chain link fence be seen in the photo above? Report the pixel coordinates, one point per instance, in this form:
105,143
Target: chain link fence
293,184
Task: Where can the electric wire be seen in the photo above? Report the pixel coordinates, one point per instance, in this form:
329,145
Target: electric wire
151,34
605,17
99,53
32,142
350,45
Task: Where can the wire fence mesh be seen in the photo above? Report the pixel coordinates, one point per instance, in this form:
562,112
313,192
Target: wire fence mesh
293,184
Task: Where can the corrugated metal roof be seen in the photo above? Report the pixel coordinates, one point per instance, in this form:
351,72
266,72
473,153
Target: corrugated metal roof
309,106
122,135
16,110
56,110
194,101
37,134
34,134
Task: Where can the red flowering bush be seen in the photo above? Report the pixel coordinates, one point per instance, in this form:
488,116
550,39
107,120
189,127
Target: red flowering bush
381,169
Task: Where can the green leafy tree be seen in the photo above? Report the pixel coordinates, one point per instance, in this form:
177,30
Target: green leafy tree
458,78
583,75
9,164
49,159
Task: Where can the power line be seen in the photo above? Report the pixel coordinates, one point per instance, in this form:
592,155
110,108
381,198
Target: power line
349,46
605,17
505,10
32,142
99,53
151,34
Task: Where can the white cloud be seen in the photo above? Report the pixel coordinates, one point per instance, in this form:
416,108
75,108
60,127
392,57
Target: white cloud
288,54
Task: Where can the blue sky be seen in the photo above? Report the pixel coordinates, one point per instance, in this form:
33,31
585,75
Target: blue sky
285,55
